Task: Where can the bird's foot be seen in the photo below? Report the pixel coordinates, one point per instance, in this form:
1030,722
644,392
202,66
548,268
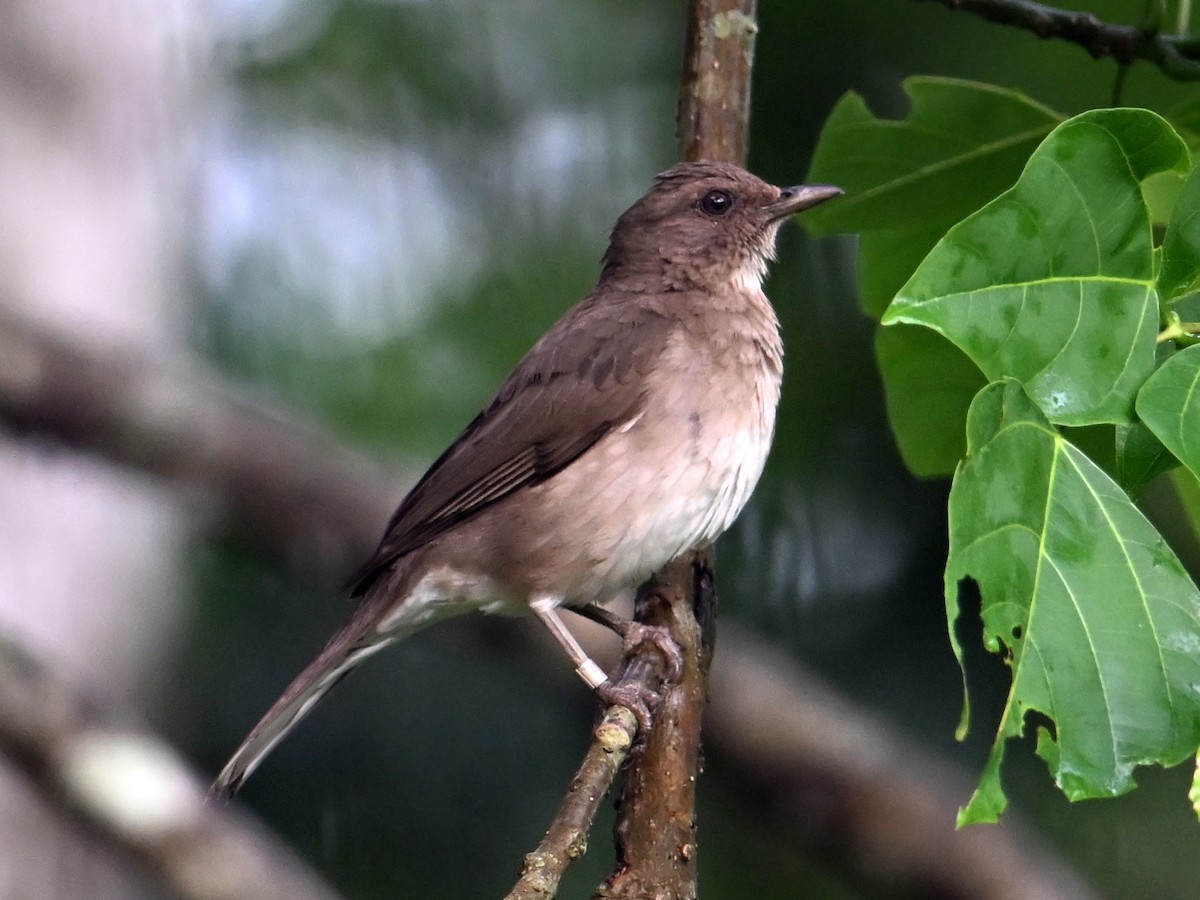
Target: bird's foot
635,634
633,693
635,697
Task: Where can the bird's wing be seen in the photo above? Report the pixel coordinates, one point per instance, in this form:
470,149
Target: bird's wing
584,378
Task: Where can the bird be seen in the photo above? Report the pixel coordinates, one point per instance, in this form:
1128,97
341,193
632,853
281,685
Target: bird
633,430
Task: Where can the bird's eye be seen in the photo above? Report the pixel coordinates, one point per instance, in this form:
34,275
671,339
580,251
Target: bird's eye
716,203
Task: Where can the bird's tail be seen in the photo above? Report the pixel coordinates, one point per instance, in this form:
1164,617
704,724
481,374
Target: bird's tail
344,652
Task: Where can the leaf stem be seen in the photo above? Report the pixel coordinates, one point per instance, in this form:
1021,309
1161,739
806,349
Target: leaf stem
1177,330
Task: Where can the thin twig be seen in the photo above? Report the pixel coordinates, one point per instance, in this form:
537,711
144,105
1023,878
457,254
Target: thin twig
1176,55
566,839
657,808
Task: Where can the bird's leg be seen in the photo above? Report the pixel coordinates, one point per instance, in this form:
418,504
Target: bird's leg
634,696
634,634
596,613
545,608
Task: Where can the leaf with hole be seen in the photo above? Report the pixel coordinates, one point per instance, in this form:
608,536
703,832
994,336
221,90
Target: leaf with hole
1098,619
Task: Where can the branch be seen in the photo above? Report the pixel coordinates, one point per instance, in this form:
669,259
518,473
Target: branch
656,824
778,726
566,839
133,790
1177,56
714,97
302,490
657,806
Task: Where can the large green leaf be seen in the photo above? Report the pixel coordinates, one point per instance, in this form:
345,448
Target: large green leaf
1098,619
1140,457
1181,244
1169,405
908,181
928,385
1052,283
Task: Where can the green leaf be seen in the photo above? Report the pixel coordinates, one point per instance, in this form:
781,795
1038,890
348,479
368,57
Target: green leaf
1186,119
887,259
928,385
908,181
1098,619
1194,793
1169,405
1052,283
1141,457
1181,244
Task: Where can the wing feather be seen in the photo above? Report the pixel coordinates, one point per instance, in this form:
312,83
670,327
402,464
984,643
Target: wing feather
578,383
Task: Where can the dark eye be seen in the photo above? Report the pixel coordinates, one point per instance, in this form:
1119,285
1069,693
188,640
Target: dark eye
716,203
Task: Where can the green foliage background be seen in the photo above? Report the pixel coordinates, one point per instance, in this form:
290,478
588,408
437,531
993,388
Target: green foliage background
422,188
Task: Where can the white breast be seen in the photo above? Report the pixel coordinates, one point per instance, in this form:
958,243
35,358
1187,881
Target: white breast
722,431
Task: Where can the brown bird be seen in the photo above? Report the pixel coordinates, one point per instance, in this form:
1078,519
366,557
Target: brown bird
633,430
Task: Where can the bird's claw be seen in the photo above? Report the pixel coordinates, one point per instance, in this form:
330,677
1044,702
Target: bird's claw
659,636
635,697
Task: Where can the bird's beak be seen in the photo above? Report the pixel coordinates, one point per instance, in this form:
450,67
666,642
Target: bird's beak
798,198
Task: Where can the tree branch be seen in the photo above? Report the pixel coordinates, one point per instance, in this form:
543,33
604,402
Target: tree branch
1177,56
714,97
656,825
302,490
777,725
566,839
129,787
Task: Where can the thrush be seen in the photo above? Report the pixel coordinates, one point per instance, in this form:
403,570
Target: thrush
635,429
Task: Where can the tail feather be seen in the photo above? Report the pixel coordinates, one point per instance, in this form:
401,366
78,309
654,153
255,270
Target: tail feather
343,653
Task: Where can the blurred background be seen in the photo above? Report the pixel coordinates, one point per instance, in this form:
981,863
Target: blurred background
363,213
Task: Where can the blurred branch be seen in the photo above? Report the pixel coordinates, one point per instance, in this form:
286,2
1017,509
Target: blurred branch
305,492
837,775
1176,55
137,794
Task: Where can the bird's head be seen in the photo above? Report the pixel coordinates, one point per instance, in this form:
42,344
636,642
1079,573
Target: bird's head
702,224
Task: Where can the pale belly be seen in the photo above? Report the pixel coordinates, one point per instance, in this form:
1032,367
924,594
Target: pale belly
666,505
